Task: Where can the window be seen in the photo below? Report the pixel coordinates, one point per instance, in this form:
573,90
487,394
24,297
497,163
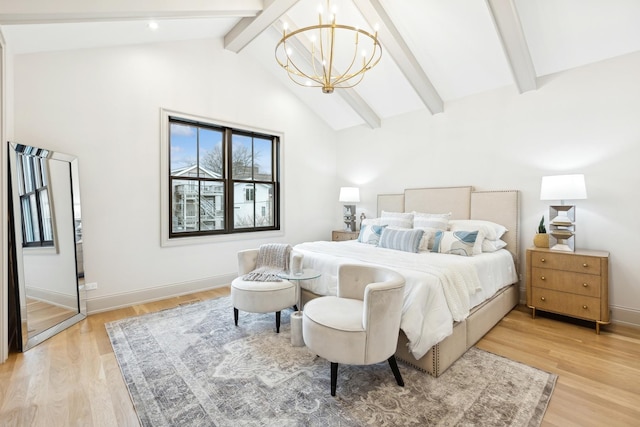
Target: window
37,223
222,180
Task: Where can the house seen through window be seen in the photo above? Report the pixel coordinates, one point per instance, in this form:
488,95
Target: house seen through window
222,180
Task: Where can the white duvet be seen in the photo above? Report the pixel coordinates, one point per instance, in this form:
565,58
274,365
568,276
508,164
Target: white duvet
440,288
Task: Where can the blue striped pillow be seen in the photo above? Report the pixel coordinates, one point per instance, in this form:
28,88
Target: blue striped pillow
401,240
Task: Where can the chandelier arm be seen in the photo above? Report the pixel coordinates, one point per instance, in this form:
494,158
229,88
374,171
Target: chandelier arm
345,75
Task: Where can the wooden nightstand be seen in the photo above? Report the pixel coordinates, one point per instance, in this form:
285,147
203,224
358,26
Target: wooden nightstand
342,235
574,284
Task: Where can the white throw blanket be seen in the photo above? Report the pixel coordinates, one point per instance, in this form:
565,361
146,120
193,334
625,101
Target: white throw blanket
273,258
437,292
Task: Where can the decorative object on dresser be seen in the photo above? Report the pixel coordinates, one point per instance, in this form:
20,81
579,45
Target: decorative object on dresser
349,196
573,284
562,217
343,235
541,239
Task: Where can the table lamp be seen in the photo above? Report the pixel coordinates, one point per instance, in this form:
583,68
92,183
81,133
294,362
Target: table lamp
349,196
562,217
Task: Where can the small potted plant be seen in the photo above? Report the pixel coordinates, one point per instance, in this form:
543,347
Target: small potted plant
541,239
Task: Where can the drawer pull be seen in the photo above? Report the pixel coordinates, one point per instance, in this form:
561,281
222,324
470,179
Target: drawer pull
585,265
586,285
542,299
542,278
585,307
542,260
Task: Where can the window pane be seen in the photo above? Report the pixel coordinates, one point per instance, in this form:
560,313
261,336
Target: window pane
242,157
184,149
43,171
28,174
264,205
26,221
262,159
210,153
33,209
184,205
45,214
211,205
243,209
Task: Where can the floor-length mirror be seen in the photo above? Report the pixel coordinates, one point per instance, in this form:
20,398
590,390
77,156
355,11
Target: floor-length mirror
47,243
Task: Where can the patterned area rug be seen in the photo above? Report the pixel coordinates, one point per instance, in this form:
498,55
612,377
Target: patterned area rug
190,366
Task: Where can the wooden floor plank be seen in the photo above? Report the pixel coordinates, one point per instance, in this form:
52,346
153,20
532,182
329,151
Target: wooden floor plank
74,378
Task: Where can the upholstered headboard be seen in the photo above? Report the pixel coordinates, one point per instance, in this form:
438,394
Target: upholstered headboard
502,207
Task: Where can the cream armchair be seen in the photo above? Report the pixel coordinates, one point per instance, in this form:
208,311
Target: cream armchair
360,325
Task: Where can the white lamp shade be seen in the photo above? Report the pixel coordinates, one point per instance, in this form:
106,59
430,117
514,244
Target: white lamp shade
563,187
350,194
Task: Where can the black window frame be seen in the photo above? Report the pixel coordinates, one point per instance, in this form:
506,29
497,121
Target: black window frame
228,183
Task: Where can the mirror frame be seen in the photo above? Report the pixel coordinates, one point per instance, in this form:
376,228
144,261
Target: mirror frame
31,340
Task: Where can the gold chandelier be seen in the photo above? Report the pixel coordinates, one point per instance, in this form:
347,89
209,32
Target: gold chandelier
332,61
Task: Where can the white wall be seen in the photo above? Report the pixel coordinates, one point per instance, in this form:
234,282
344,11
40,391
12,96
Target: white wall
585,120
103,105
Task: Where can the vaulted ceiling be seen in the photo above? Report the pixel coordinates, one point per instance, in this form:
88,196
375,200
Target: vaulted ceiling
434,51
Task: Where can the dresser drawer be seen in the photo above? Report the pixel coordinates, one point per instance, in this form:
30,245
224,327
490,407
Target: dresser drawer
341,236
570,304
567,262
575,283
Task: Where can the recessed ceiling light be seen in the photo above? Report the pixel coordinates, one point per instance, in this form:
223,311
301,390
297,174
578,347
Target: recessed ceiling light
153,25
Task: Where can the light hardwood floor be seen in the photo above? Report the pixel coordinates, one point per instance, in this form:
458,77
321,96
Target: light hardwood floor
73,379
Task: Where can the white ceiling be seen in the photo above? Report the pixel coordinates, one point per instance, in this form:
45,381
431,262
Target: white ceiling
434,51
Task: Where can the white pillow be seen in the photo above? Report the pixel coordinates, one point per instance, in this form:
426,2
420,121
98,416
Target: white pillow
397,219
427,220
370,221
455,242
493,245
491,230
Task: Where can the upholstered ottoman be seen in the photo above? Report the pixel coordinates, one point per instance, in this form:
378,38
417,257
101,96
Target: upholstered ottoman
260,297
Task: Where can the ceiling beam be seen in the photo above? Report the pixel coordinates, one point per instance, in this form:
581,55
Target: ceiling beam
507,22
395,45
249,28
349,95
59,11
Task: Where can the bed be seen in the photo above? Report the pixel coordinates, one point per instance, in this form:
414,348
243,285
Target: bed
438,324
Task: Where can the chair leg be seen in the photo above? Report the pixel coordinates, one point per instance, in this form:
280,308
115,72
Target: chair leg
334,377
277,322
396,371
235,315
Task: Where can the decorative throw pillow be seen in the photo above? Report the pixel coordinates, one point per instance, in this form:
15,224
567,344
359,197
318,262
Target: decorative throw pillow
427,220
401,240
455,242
397,219
428,237
370,234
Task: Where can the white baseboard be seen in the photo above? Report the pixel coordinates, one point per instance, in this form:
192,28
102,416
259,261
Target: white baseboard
126,299
625,316
69,302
